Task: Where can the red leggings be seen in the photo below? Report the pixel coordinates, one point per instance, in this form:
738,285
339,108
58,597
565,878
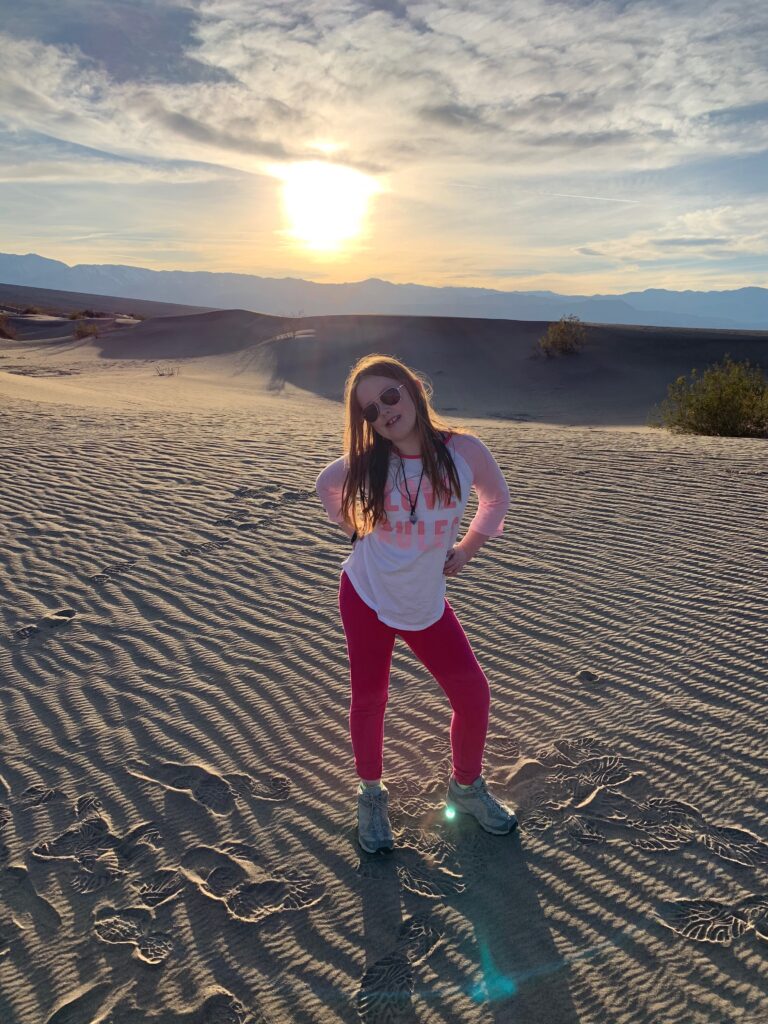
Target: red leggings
444,650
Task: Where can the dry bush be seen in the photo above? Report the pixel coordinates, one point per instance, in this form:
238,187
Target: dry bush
729,400
7,330
565,337
32,311
86,314
86,331
163,370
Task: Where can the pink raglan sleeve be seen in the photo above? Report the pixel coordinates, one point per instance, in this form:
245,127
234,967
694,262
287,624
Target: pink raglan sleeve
489,483
328,486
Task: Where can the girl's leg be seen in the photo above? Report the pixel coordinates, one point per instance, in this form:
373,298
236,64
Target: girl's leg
369,645
445,651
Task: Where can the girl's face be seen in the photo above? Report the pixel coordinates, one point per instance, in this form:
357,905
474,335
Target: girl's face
403,413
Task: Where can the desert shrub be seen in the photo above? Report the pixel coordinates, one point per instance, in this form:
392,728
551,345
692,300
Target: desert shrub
6,329
565,337
86,331
163,370
728,400
85,314
31,310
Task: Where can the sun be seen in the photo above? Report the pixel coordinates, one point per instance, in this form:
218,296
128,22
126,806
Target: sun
325,204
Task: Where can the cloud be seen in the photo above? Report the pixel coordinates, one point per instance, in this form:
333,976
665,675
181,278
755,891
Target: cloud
631,85
31,157
194,129
554,116
712,234
679,243
147,41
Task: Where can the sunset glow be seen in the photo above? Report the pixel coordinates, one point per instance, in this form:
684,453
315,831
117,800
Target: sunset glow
325,205
617,148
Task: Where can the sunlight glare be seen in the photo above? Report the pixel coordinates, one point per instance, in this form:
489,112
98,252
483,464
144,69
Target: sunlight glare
325,204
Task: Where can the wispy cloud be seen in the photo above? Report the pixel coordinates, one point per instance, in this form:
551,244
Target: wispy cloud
526,102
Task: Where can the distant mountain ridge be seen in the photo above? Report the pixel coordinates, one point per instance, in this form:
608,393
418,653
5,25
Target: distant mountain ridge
739,309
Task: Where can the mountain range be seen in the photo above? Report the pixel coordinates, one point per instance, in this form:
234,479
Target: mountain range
738,309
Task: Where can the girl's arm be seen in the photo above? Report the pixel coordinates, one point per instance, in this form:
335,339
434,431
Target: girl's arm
328,485
492,492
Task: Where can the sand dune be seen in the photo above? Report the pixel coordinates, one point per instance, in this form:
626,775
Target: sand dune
68,302
177,814
479,368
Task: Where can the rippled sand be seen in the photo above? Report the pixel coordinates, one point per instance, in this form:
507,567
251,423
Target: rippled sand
177,809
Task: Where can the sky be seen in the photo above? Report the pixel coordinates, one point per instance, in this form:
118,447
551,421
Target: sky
577,147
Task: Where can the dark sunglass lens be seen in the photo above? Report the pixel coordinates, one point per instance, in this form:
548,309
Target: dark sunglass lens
391,396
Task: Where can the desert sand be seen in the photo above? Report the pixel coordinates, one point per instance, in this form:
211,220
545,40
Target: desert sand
177,808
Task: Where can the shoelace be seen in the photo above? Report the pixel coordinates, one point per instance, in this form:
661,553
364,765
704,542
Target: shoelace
378,803
490,800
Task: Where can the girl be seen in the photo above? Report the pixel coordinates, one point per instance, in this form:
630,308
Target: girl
399,493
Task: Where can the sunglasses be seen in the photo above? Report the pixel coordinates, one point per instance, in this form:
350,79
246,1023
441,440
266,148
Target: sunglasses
389,397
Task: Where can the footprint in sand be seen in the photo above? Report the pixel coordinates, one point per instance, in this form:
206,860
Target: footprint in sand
233,517
85,841
36,796
99,856
23,633
276,498
113,570
216,792
717,921
18,894
264,505
224,1008
160,887
92,874
248,892
202,549
585,676
138,844
85,804
133,925
210,790
59,617
415,870
387,985
600,798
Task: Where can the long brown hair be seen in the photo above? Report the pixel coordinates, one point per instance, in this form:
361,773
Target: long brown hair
368,452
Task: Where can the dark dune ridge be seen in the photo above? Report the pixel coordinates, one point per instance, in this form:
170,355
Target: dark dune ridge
479,367
67,302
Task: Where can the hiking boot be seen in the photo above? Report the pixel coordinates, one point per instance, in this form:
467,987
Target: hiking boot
477,801
373,831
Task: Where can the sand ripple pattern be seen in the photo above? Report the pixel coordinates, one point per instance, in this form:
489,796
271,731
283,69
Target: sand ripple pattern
177,833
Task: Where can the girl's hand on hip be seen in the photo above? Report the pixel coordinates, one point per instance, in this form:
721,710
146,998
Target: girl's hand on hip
455,561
